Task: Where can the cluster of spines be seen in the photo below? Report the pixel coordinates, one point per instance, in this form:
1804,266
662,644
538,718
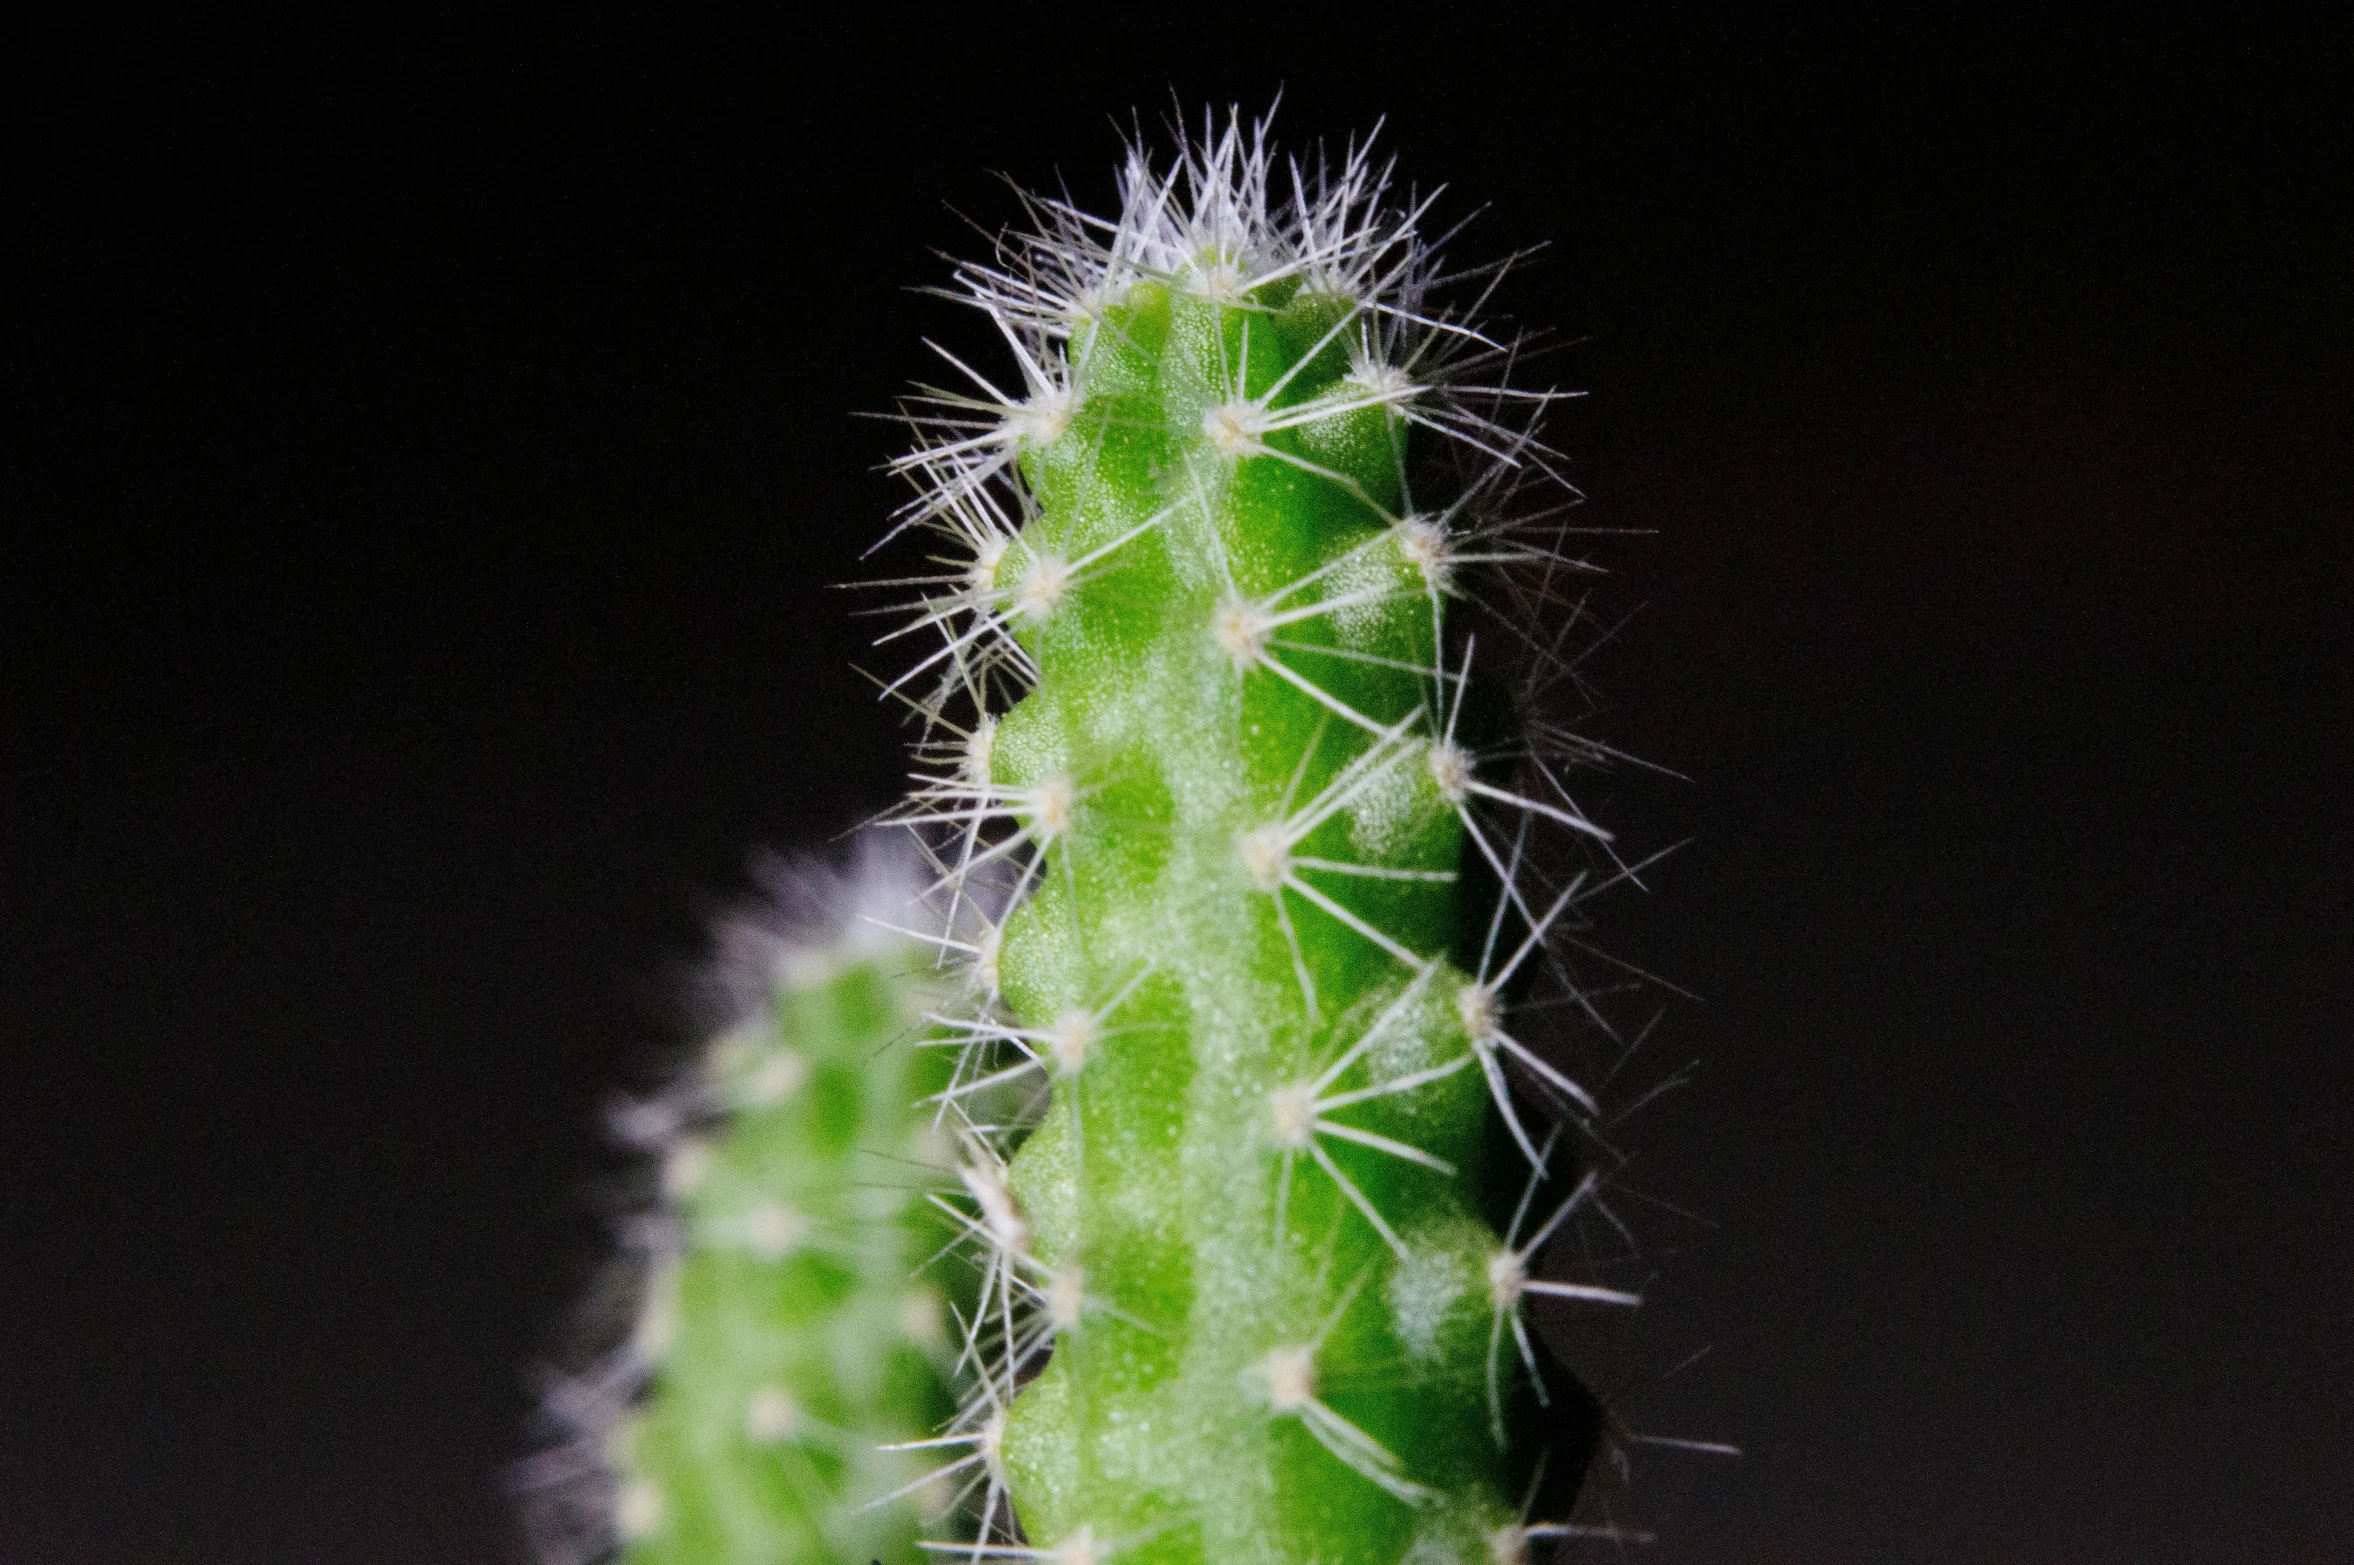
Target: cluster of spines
784,1338
1055,504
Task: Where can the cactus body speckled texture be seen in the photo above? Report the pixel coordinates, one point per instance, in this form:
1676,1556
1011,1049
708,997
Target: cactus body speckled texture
788,1328
1271,854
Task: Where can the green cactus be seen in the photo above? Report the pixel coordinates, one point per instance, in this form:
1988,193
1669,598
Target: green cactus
789,1341
1200,722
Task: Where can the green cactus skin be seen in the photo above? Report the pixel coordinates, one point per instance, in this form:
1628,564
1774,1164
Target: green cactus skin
1228,811
790,1328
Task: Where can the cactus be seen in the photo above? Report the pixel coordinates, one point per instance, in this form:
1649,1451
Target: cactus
1277,864
787,1341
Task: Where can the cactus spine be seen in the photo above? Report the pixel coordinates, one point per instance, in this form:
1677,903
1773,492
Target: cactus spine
1207,549
789,1342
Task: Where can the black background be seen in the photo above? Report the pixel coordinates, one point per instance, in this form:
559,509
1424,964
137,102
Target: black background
427,458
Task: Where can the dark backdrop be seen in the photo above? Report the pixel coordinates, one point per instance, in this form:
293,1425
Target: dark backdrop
427,456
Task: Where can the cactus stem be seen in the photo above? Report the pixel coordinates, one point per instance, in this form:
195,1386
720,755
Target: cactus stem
1197,737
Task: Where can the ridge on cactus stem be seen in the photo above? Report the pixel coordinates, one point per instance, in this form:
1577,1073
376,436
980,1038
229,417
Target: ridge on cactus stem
1290,865
782,1339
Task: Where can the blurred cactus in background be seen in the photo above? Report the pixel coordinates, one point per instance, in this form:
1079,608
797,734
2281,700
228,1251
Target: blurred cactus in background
793,1311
